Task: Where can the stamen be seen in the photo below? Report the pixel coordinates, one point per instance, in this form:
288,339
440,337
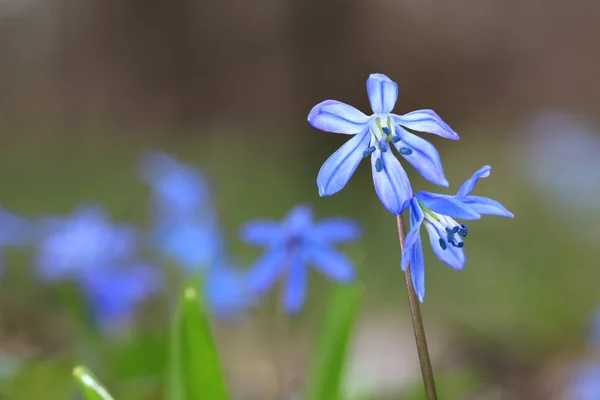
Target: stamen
443,244
369,151
405,151
382,146
379,165
463,232
396,139
386,130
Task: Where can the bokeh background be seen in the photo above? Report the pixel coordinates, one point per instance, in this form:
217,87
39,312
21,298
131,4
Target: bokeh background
87,87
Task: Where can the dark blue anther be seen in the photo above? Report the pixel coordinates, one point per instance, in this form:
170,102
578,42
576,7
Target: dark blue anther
379,165
460,245
405,151
369,151
443,244
383,146
386,130
396,139
463,232
455,229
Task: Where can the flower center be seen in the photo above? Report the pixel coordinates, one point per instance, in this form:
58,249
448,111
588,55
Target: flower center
448,231
382,134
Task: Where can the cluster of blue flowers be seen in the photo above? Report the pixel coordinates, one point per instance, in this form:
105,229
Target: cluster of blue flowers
105,258
372,138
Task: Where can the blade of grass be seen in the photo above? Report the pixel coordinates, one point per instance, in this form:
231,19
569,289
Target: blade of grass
91,388
330,359
195,367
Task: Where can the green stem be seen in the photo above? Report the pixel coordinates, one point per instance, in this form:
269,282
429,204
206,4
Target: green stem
417,321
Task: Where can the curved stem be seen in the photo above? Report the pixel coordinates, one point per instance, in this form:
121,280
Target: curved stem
417,321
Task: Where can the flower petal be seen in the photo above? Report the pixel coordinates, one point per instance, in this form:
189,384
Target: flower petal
337,117
266,270
226,291
416,219
426,121
391,183
336,230
447,205
417,269
424,157
487,206
383,93
333,264
470,183
452,256
339,167
261,232
295,287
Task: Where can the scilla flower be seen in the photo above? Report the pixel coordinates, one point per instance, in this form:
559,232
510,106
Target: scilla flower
437,213
372,138
293,244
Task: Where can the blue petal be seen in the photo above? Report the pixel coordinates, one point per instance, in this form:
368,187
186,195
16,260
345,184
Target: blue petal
178,188
416,219
391,184
336,230
340,166
295,288
417,269
261,233
424,157
452,256
226,291
487,206
266,270
333,264
383,93
426,121
337,117
447,205
298,220
469,185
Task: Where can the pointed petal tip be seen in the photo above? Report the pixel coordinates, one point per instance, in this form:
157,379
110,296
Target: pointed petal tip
421,297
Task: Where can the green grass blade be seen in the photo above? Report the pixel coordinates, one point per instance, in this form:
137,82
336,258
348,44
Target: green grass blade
195,367
92,389
330,359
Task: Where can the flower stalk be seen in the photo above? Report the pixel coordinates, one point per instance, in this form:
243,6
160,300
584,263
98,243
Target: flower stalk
417,322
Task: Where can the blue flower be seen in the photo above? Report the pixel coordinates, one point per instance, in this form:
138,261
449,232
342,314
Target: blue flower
101,257
294,243
179,190
80,244
115,293
436,212
372,137
186,231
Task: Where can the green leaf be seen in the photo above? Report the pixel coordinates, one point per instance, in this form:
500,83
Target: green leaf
329,361
92,389
195,368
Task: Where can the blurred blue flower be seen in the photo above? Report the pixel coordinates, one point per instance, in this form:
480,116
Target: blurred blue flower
294,243
373,135
185,223
101,257
186,231
179,191
436,212
114,293
82,243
